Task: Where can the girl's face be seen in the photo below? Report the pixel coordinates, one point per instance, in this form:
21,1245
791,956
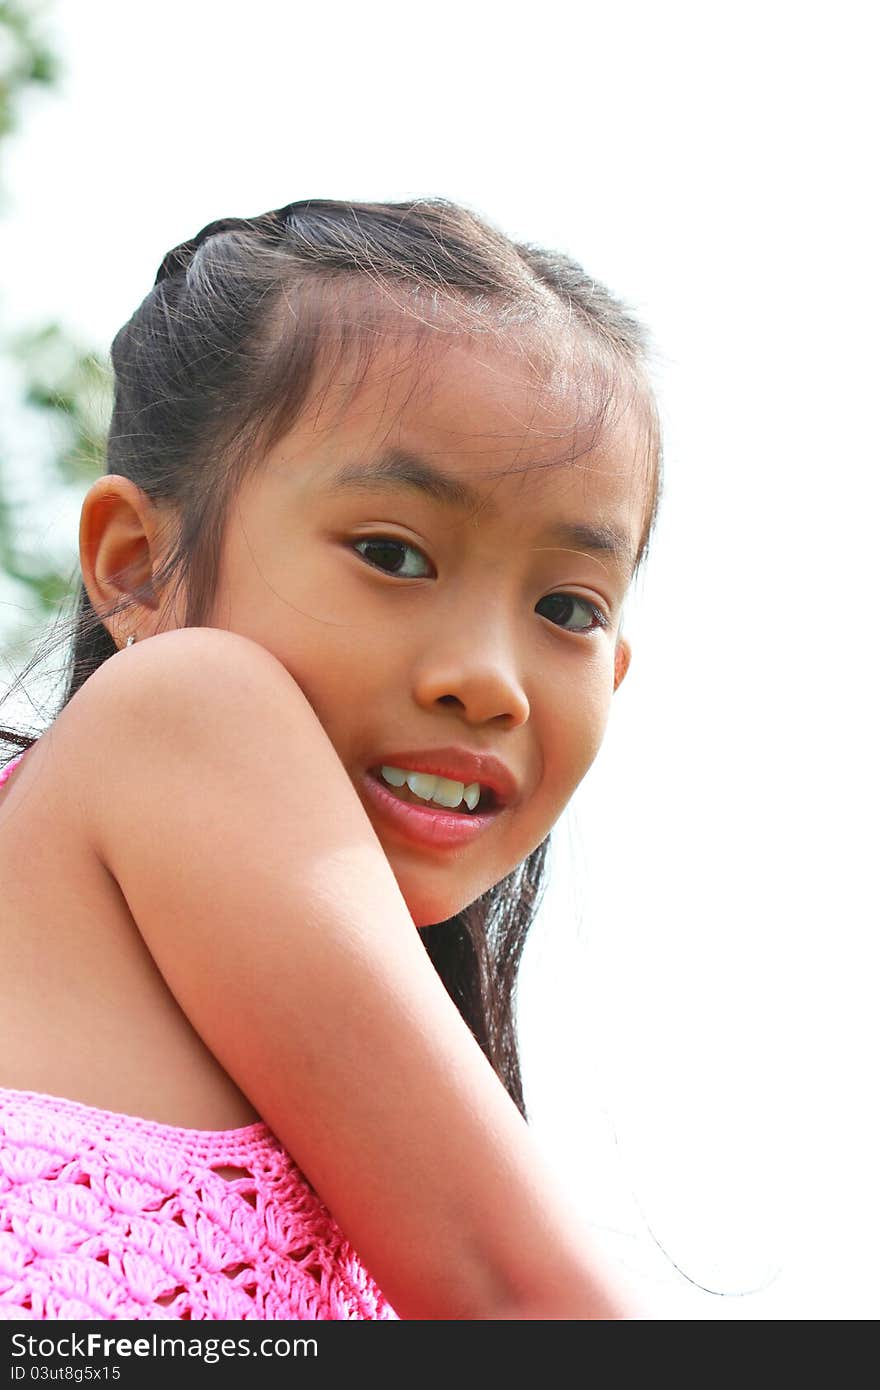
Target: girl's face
416,617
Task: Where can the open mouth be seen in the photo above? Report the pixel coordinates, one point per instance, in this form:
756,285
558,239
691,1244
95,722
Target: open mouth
486,804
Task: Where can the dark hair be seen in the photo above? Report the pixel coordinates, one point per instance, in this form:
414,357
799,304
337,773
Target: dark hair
217,362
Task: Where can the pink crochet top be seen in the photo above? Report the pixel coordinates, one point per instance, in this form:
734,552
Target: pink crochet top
105,1215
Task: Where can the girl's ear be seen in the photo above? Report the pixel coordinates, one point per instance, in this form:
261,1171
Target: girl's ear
120,545
622,654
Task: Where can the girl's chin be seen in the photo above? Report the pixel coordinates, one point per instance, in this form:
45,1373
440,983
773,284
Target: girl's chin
428,911
425,915
435,892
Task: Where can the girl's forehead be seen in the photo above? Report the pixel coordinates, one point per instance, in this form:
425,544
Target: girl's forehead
478,395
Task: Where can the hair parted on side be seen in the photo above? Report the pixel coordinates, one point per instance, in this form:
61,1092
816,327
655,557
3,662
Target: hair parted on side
218,362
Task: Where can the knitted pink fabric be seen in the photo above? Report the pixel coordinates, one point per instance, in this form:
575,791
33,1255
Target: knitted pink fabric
105,1215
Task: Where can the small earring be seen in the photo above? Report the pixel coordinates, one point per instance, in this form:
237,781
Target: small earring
131,640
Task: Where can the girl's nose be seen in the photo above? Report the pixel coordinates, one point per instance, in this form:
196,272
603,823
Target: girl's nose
483,684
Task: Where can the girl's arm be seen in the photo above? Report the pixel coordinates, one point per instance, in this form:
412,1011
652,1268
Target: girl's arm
262,892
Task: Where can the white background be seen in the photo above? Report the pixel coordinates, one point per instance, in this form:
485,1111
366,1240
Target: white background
698,1006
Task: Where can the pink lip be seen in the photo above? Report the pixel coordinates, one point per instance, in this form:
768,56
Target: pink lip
459,765
425,825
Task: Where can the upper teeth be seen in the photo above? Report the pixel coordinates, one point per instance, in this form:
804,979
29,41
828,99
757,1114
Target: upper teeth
431,788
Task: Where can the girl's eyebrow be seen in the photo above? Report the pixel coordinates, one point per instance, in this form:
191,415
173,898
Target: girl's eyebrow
395,468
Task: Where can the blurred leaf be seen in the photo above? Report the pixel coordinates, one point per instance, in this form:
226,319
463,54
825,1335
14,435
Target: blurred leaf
26,57
63,388
73,387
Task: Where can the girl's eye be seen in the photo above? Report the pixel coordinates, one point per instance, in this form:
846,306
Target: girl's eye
563,604
386,548
388,551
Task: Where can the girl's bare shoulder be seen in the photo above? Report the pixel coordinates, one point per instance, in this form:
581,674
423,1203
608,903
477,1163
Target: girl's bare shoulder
191,757
157,705
183,663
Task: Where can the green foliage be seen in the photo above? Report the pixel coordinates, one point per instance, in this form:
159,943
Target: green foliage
25,58
73,386
58,427
60,390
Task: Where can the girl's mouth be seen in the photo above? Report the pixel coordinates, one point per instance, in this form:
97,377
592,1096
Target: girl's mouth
424,822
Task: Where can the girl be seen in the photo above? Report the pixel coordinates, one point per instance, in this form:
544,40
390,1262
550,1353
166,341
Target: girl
348,631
